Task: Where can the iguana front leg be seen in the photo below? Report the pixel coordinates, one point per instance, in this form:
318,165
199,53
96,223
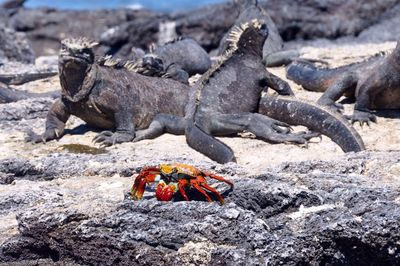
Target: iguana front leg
125,130
175,72
55,123
361,113
343,84
276,83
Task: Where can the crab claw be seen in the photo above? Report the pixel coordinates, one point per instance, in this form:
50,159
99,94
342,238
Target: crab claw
165,192
138,187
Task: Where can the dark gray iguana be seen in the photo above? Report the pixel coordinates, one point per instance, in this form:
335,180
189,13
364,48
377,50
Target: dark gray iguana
107,97
183,54
227,97
375,83
178,60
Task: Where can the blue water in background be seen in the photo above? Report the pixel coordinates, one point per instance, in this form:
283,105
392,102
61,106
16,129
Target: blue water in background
157,5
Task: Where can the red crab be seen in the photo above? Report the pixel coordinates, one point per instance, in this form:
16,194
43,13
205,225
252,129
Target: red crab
175,177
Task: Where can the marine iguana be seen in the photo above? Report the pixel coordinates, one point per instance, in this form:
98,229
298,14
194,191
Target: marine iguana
107,97
227,98
178,59
183,54
375,83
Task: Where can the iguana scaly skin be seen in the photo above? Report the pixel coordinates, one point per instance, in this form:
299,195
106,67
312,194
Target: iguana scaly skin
375,83
226,98
107,97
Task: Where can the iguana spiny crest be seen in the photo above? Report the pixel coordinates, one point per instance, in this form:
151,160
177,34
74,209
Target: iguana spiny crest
249,37
79,43
237,32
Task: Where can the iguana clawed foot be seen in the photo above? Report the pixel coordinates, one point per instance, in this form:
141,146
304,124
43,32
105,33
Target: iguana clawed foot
49,134
362,118
337,107
300,138
108,138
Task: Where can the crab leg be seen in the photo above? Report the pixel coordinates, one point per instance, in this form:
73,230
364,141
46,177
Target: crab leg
138,188
219,178
181,186
197,187
146,177
214,191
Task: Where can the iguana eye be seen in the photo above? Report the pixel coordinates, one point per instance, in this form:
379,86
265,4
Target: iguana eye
86,52
158,61
263,26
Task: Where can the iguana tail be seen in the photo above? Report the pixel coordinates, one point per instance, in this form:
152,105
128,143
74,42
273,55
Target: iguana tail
208,145
19,79
8,95
312,78
317,118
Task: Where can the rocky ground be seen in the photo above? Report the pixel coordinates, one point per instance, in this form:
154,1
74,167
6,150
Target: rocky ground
66,202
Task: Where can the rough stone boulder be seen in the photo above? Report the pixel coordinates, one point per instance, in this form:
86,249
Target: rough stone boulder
313,19
47,27
386,29
14,46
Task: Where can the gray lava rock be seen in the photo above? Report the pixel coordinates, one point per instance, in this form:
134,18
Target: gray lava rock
294,214
385,30
47,27
25,109
14,46
313,19
120,31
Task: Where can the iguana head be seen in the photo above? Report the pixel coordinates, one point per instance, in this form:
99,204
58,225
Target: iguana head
152,63
249,36
79,50
75,62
